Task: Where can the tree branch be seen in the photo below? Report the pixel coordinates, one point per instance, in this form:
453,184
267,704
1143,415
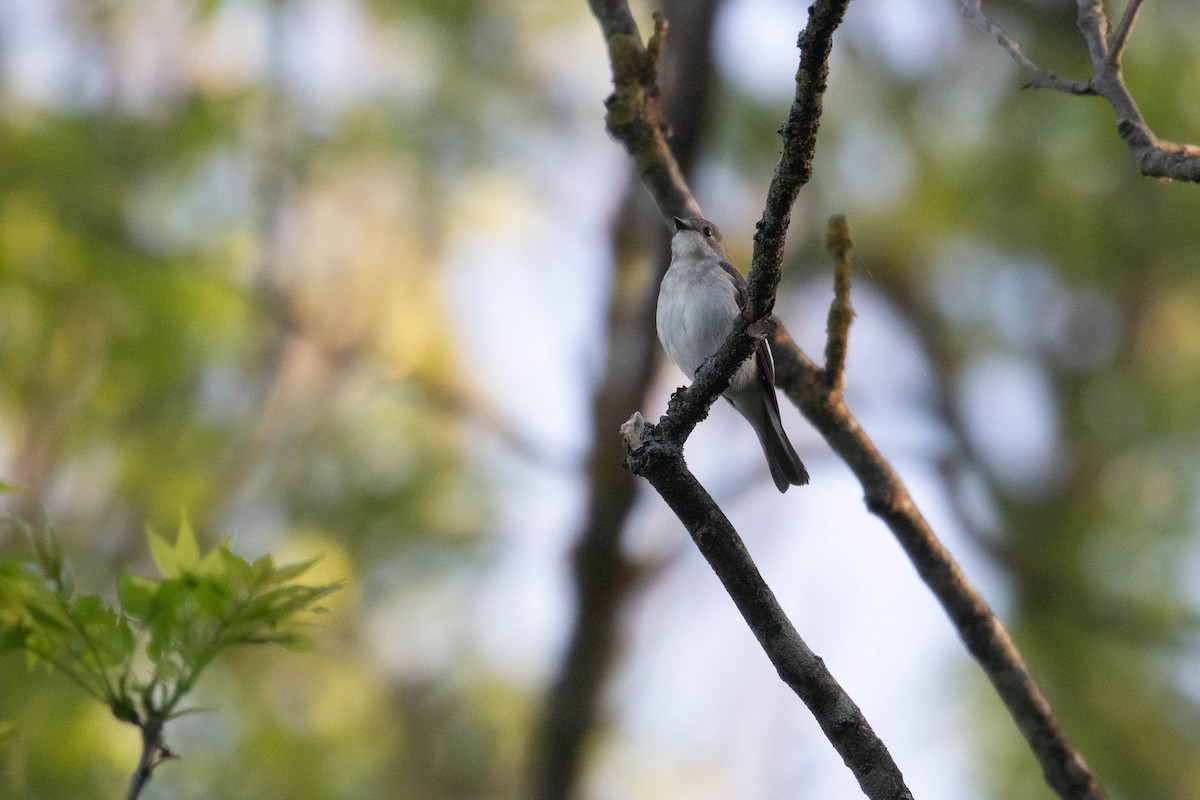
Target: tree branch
1121,37
1039,78
840,313
603,575
635,116
690,405
1156,157
655,452
839,717
980,629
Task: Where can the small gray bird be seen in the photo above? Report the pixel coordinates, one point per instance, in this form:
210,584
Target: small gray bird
701,295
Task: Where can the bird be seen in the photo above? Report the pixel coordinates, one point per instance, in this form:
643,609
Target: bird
700,296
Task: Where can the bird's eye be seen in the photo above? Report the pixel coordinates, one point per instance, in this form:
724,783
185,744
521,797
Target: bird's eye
707,232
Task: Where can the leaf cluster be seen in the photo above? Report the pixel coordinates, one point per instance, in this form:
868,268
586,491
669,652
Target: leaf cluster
143,654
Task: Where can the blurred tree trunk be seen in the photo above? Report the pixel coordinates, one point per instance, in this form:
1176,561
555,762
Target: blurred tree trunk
602,574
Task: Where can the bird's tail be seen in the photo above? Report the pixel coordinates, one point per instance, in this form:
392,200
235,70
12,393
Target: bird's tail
763,415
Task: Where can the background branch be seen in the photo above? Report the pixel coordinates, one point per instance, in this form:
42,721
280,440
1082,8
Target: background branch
603,575
840,312
1156,157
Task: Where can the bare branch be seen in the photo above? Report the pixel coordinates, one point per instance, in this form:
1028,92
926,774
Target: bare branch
840,718
1121,37
1156,157
980,629
840,312
1039,78
635,116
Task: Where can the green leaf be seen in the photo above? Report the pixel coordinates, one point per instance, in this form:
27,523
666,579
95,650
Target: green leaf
193,710
263,569
137,595
292,571
187,552
215,597
236,567
295,642
49,618
212,565
47,552
163,553
13,637
289,640
5,487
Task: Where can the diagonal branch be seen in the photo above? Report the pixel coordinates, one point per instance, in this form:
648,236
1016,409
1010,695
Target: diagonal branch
1039,78
655,452
1156,157
822,403
1124,28
980,629
838,715
635,115
794,169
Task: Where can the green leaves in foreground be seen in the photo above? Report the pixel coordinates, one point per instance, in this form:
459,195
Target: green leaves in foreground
142,656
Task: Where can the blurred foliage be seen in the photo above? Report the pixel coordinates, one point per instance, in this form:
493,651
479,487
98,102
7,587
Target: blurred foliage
211,298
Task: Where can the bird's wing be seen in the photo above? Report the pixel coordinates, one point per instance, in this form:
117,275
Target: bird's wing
762,353
739,283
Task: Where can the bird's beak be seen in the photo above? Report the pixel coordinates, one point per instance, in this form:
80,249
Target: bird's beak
680,225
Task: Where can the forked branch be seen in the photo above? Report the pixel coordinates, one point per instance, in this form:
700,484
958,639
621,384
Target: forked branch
655,450
1156,157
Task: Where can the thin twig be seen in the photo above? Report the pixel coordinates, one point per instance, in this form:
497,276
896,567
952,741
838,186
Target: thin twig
154,752
1124,28
841,314
980,629
1156,157
972,11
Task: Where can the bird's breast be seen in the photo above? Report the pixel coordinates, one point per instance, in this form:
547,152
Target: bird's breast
696,308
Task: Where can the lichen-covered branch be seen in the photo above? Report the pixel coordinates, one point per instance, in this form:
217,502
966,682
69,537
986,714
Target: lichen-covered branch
635,115
794,169
1156,157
